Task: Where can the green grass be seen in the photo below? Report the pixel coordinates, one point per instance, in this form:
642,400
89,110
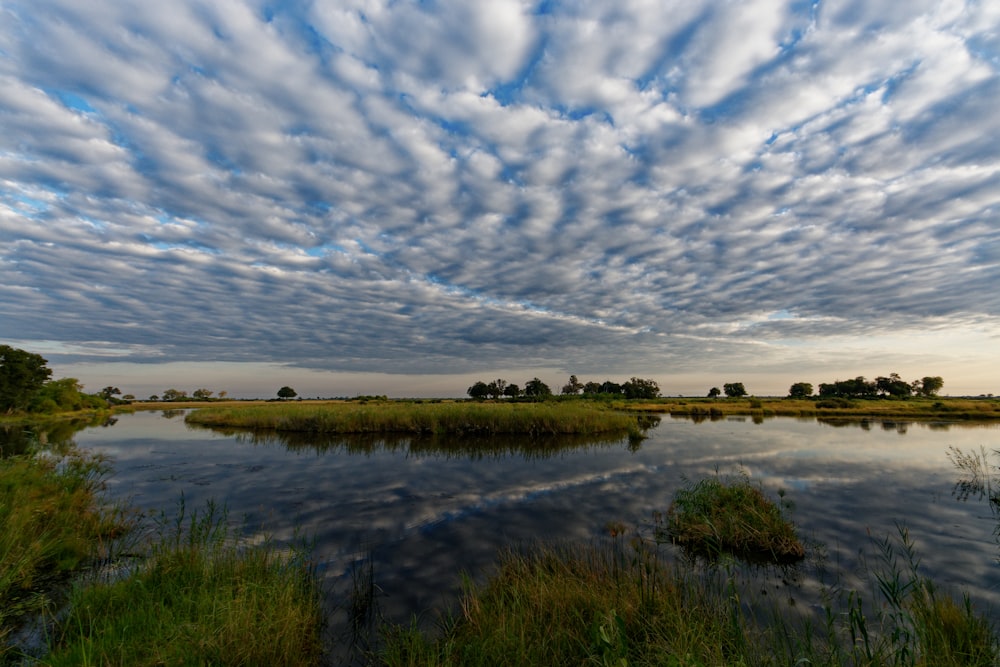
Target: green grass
715,516
199,599
406,417
51,524
620,603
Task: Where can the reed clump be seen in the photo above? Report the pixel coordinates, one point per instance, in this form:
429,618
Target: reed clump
198,599
423,418
620,603
52,523
714,516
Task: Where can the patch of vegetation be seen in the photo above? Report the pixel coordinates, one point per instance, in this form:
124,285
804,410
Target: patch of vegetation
620,603
423,418
51,525
199,599
715,516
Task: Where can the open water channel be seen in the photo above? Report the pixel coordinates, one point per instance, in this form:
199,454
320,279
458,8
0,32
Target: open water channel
423,511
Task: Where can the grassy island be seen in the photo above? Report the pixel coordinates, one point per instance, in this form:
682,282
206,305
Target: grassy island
555,418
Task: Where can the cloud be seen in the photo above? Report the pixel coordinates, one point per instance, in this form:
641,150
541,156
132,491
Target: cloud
446,187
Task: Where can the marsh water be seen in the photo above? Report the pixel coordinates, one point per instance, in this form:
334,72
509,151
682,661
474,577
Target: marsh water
422,511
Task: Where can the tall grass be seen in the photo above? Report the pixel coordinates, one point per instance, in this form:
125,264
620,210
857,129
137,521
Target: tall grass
439,418
199,599
619,603
715,515
51,524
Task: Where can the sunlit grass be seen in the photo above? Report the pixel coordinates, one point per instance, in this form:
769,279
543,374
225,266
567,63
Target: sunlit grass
439,418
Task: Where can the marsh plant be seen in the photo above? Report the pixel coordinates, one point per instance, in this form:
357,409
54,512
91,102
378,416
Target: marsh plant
201,597
623,602
716,516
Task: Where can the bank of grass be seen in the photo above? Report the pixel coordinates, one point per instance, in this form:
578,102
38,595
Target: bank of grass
546,418
716,516
934,408
199,598
52,523
620,604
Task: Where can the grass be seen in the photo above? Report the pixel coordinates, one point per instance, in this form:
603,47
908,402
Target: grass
199,599
424,418
51,525
934,408
619,603
715,516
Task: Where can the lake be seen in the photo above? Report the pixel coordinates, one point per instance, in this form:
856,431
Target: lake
423,511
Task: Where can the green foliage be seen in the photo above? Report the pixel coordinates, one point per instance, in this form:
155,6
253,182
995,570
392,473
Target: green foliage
199,599
639,388
173,395
714,392
479,391
535,388
734,389
716,516
286,392
51,522
22,375
800,390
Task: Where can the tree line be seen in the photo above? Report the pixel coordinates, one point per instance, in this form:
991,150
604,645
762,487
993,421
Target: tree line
639,388
891,386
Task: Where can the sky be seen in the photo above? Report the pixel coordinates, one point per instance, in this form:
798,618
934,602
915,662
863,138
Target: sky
402,197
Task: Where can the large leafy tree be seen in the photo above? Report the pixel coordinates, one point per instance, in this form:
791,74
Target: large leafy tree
734,389
22,375
641,388
537,389
800,390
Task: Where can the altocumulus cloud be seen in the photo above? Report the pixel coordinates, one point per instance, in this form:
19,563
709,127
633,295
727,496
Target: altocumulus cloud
453,186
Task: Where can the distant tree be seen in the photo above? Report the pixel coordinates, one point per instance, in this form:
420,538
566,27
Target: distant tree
128,397
201,394
22,375
592,388
609,387
479,391
734,389
714,392
930,386
223,394
173,395
572,387
286,392
512,391
108,392
800,390
641,388
859,387
893,386
537,389
496,388
154,397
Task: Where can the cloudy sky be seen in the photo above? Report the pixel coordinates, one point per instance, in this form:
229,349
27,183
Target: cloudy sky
400,196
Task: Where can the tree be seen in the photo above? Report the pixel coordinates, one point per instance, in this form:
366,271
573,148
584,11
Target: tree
201,394
800,390
174,395
893,386
592,388
22,375
572,387
930,386
479,391
496,388
641,388
609,387
286,392
537,389
512,391
734,389
223,394
109,391
714,392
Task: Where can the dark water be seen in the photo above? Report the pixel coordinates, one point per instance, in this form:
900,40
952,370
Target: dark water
426,510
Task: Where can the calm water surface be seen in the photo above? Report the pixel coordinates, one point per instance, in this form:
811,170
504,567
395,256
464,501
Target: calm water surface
425,512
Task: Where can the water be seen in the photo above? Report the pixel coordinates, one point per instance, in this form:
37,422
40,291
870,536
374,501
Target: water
426,511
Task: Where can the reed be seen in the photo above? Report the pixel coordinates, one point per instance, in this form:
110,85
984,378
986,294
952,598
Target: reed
52,523
199,599
423,418
620,603
715,516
